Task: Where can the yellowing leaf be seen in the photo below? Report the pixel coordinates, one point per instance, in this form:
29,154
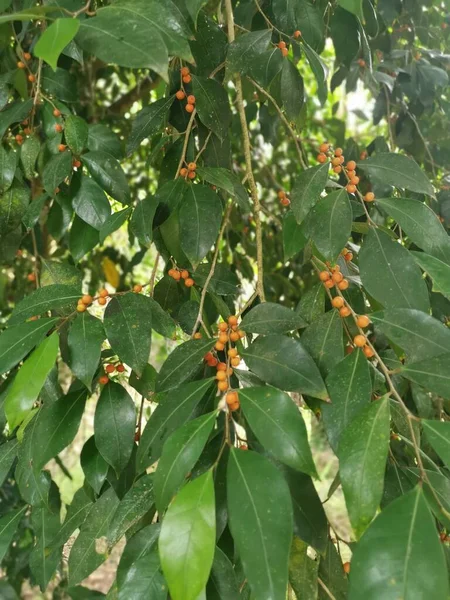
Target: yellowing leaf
112,275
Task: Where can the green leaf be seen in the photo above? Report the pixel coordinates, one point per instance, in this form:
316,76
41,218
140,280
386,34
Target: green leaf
222,582
128,326
8,164
332,574
246,48
270,318
278,424
362,453
14,112
421,225
228,181
437,270
293,90
259,502
144,580
33,212
193,7
133,506
438,434
108,173
54,39
45,299
312,303
28,155
303,570
320,72
76,132
8,526
294,239
307,189
353,6
212,105
187,540
174,409
141,223
43,563
95,467
57,426
181,363
83,238
433,374
56,170
150,120
54,271
13,206
266,66
161,322
29,380
138,547
100,137
323,340
114,424
76,513
397,170
59,83
179,455
350,387
403,538
91,204
86,553
292,15
16,342
8,453
418,334
389,273
85,340
330,224
223,281
284,363
114,222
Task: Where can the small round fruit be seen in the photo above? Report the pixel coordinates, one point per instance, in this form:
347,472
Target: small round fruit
222,386
343,285
338,152
221,366
76,164
338,302
120,368
183,172
58,127
103,379
232,320
234,336
197,335
324,276
86,299
351,189
102,301
337,169
337,277
232,352
241,333
285,201
368,352
20,65
346,567
81,307
184,274
351,174
322,158
324,147
176,275
369,197
180,95
184,71
223,337
297,34
360,341
345,312
192,166
137,288
329,284
191,174
219,346
27,56
363,155
110,368
189,282
208,356
213,362
349,256
19,138
191,99
236,361
232,398
351,165
56,112
336,161
31,78
187,79
363,321
189,108
284,51
61,147
221,376
281,44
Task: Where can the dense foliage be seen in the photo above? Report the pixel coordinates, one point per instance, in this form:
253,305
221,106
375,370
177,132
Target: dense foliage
302,268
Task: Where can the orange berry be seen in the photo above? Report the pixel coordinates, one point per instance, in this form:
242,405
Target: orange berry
241,333
235,361
351,189
363,155
338,152
61,147
368,352
192,166
58,127
363,321
56,112
232,398
369,197
223,337
346,567
31,277
103,293
221,366
324,147
349,256
336,268
234,336
337,169
324,276
213,362
341,160
183,172
20,65
219,346
187,79
223,326
191,99
345,312
336,161
221,376
102,301
337,277
189,108
337,302
351,174
19,138
110,368
77,164
232,320
208,356
57,190
354,180
191,174
297,34
281,194
184,71
359,341
103,379
343,285
137,288
27,55
222,386
197,335
329,284
180,95
189,282
176,275
184,274
86,299
27,131
351,165
81,307
232,352
284,51
31,78
234,406
285,201
322,158
281,44
361,62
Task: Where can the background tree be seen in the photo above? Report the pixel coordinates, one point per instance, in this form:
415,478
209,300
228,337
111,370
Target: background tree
184,170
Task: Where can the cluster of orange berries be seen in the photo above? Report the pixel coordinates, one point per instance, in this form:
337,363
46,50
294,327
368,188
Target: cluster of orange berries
178,274
188,171
110,368
347,254
26,131
362,321
333,277
282,46
31,277
284,200
21,64
190,100
185,75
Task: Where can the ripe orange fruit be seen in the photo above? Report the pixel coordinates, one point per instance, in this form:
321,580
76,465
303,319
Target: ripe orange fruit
361,62
234,336
61,147
183,172
58,127
336,161
76,164
189,108
222,386
337,277
180,95
351,174
363,321
297,34
232,320
343,285
20,65
176,275
102,301
184,71
368,352
110,368
192,166
338,152
337,302
103,293
219,346
187,79
285,201
324,276
232,398
349,256
189,282
346,567
27,55
324,147
369,197
322,158
208,356
137,288
222,326
351,189
281,44
191,99
223,337
359,341
19,138
354,180
31,78
284,51
197,335
184,274
363,155
236,361
232,352
345,312
103,379
221,376
56,112
329,284
351,165
221,366
241,333
81,307
86,299
337,169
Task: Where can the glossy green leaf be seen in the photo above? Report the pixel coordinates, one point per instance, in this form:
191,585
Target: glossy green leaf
223,281
246,48
113,222
54,39
114,424
308,187
228,181
397,170
43,563
13,206
222,584
101,137
194,7
293,90
95,467
76,133
8,453
432,373
29,380
284,363
421,225
292,15
270,318
294,239
133,506
323,340
389,273
83,238
312,303
138,546
141,223
33,212
161,321
363,450
187,540
45,299
404,539
128,326
266,66
17,341
14,112
302,570
56,170
173,410
76,513
212,105
144,580
350,387
278,424
8,526
332,574
179,455
436,269
330,224
8,164
353,6
260,518
320,71
88,552
181,363
438,434
418,334
28,155
85,340
150,120
108,173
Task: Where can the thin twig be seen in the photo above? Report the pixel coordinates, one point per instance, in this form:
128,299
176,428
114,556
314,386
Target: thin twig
141,412
325,589
203,148
153,275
